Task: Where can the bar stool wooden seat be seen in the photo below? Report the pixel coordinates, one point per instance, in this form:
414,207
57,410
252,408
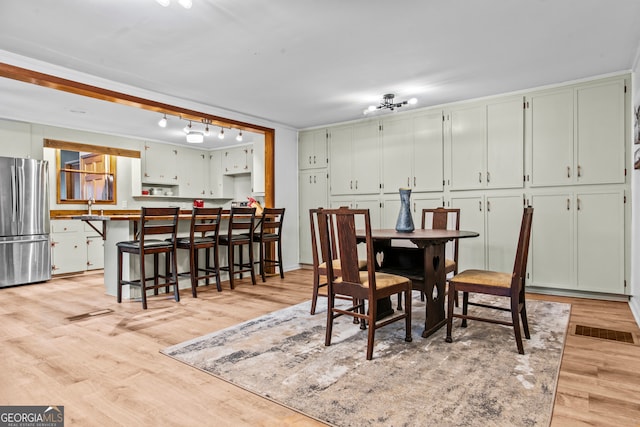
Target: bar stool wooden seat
203,234
153,221
242,222
270,231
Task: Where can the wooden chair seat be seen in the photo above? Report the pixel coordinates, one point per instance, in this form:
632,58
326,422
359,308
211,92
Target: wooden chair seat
485,278
383,280
151,243
449,265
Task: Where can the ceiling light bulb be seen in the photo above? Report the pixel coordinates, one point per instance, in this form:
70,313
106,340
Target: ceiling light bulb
371,108
186,3
413,101
187,128
206,131
239,137
221,134
163,122
164,3
195,137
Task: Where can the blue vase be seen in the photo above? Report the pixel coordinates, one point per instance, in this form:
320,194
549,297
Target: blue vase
405,221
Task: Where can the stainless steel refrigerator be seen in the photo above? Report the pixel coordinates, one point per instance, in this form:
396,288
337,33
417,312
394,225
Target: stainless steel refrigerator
25,250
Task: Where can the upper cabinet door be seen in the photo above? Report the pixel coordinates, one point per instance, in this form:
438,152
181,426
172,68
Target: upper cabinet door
365,158
340,154
552,138
428,140
600,133
468,140
160,164
397,154
505,144
312,149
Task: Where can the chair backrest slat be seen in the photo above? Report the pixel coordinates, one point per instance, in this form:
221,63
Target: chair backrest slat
241,219
205,222
522,251
440,221
155,221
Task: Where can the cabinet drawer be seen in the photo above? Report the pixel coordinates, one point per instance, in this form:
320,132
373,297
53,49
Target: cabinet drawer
66,226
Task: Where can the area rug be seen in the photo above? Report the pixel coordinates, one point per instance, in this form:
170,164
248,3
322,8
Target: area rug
478,380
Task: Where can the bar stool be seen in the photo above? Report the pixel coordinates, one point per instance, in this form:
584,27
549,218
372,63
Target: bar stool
153,221
270,231
239,233
203,234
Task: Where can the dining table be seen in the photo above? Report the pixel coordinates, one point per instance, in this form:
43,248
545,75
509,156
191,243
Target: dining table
420,256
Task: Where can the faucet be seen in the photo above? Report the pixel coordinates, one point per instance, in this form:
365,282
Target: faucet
90,202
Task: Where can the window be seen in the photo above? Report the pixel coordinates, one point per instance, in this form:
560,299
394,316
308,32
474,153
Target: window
85,171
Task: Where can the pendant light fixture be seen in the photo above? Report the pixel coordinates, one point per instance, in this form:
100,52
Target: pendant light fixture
239,137
163,122
221,134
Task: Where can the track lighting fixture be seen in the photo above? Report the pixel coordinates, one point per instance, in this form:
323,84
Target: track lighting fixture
206,129
221,134
388,102
163,122
239,137
187,128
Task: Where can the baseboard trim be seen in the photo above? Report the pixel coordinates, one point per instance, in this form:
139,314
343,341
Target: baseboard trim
578,294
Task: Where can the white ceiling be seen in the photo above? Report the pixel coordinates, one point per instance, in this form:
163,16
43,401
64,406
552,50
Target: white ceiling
305,63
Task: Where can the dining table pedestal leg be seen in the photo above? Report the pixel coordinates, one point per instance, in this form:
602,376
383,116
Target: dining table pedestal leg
434,284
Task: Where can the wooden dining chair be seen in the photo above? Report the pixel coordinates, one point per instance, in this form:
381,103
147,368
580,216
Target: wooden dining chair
153,222
507,285
366,286
320,263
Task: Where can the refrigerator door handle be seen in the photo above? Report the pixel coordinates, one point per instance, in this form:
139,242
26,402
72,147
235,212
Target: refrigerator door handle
14,195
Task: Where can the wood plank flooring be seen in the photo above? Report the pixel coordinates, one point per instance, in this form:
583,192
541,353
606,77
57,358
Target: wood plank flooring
106,368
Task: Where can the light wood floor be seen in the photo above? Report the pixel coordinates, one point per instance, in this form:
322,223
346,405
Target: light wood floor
106,369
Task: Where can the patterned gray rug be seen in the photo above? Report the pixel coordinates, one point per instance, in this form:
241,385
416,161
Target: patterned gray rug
478,380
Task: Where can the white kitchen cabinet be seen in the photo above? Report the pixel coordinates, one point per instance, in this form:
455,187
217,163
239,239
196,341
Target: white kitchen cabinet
312,186
257,172
15,139
487,145
497,218
95,252
159,164
68,247
577,134
355,159
412,152
578,241
312,149
192,172
237,160
220,185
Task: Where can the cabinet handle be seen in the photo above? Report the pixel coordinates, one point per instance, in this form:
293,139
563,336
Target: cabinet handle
309,159
408,180
578,204
488,177
579,171
414,207
480,205
356,184
479,176
568,204
146,175
488,206
314,179
351,185
309,179
568,172
414,181
314,160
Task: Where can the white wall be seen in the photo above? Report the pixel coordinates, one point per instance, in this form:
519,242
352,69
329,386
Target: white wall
634,291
